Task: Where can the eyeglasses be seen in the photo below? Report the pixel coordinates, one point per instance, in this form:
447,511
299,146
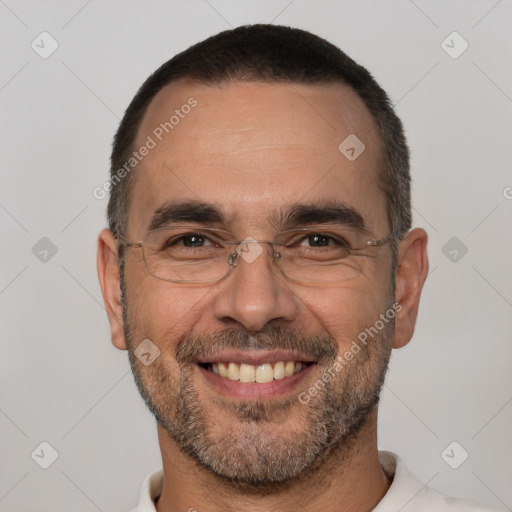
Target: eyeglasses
188,254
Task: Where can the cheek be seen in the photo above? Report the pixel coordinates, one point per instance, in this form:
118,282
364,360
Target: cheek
160,310
345,310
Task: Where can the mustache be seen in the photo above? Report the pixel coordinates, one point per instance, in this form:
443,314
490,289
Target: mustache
192,346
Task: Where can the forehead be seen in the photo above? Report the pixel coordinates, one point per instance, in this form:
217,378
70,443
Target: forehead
253,148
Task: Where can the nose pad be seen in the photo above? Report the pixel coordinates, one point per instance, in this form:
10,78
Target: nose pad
233,259
245,251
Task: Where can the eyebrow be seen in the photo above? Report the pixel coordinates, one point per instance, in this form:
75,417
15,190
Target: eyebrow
286,217
329,212
186,211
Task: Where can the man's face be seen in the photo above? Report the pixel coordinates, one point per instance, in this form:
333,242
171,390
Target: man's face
251,151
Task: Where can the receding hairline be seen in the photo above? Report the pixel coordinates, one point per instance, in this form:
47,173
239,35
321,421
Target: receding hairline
367,121
193,83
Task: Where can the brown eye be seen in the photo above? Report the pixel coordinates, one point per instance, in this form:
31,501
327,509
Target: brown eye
317,240
323,240
189,240
193,240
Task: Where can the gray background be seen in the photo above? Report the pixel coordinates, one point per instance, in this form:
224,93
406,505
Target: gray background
61,381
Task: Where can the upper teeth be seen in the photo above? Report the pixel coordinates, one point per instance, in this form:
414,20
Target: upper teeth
261,373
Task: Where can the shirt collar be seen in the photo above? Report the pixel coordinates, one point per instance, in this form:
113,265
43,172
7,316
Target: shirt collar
404,487
150,491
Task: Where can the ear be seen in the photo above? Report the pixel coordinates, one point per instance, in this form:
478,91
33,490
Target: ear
110,282
410,276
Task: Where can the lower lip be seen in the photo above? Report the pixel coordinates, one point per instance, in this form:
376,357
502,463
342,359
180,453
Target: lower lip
255,390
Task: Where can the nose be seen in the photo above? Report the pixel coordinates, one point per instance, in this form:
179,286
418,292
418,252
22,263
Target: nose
255,292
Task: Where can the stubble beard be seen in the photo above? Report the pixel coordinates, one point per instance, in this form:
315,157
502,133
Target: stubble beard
248,453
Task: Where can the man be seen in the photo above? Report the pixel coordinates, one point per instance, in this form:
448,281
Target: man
259,268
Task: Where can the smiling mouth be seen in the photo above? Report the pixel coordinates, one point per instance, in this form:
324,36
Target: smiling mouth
261,373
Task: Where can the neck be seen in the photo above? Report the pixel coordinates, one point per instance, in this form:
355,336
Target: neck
356,484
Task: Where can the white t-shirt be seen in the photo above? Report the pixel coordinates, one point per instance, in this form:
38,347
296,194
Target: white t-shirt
406,493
